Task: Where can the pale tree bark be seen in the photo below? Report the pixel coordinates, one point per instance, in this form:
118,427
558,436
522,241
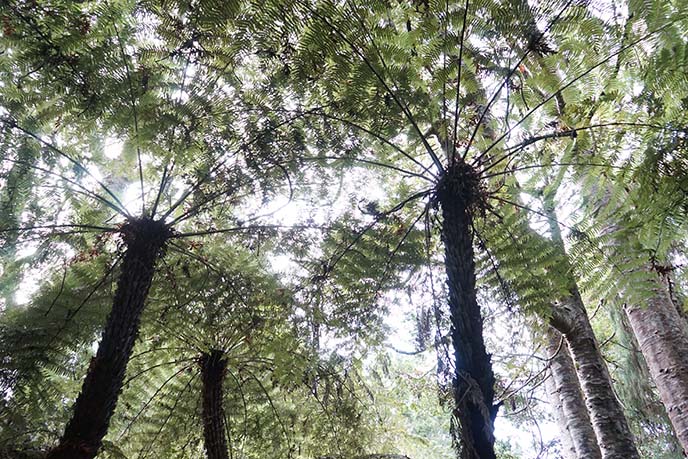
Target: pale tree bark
608,419
570,317
663,341
578,437
567,449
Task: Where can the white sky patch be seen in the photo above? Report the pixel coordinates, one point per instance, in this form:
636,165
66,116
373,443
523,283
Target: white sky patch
113,148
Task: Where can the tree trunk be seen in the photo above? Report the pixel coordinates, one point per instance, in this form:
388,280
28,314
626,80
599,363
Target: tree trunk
663,341
571,319
213,367
613,434
96,403
575,421
568,451
474,381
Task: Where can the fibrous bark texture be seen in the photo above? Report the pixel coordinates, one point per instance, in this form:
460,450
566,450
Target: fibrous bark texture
474,380
578,436
144,239
663,341
609,422
213,368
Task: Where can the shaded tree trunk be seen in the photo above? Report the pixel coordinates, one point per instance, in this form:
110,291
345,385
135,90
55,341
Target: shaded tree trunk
574,419
474,380
663,341
96,403
213,368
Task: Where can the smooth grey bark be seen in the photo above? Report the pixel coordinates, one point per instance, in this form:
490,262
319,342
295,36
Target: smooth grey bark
567,449
578,437
570,318
606,414
663,341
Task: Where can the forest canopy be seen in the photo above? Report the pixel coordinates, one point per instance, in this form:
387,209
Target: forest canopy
365,229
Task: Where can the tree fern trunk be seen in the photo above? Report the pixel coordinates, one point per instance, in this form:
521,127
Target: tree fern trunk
575,422
663,341
96,403
474,380
613,434
213,367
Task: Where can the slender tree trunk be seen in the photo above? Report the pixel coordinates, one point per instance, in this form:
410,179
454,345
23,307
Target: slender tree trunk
663,341
568,451
614,437
608,419
96,403
575,421
474,380
213,367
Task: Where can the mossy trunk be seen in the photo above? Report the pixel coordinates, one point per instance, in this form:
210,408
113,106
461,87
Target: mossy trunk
213,368
574,420
98,398
474,380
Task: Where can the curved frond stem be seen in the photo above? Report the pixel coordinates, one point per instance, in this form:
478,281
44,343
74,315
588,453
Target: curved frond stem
370,162
95,288
243,401
157,349
180,336
571,82
39,227
158,365
570,133
179,397
59,292
378,137
530,209
458,84
393,94
270,402
239,229
506,80
166,174
221,163
135,116
392,254
536,166
79,187
495,268
375,221
119,207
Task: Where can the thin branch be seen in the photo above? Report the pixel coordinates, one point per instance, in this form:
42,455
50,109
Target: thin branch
570,83
458,83
508,77
135,115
